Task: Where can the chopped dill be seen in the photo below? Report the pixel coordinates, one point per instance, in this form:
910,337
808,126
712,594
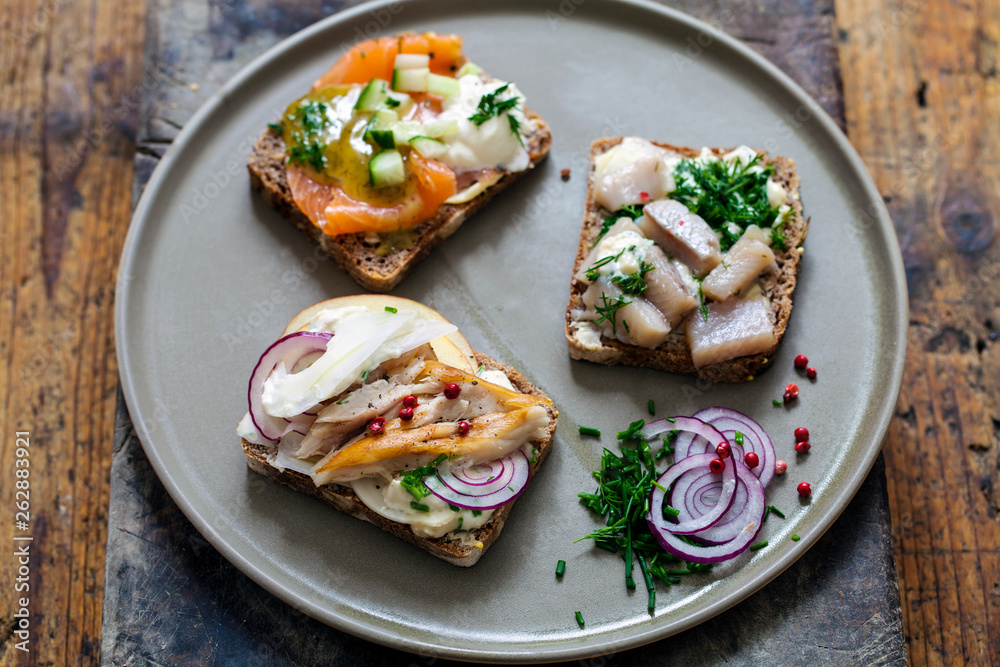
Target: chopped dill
632,211
608,311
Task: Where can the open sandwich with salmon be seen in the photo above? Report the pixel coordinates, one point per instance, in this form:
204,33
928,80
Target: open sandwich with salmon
378,406
687,259
392,149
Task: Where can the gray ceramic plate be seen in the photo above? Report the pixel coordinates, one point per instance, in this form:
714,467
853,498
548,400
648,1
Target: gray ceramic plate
210,275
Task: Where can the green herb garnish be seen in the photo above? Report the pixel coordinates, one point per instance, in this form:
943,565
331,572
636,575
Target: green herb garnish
703,308
795,538
490,106
419,506
759,545
777,402
579,619
310,153
309,120
771,509
413,481
622,498
632,211
724,192
587,430
276,127
651,407
608,312
390,309
634,283
560,568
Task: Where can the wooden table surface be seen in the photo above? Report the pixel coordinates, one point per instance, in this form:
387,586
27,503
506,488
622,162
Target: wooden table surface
920,99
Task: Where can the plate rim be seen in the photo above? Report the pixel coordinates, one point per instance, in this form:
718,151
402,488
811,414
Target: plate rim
591,644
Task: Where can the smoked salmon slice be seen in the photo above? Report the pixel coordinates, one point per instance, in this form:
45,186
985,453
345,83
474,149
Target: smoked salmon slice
375,58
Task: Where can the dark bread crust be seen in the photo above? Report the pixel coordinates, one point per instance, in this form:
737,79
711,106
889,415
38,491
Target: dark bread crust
344,499
674,354
352,252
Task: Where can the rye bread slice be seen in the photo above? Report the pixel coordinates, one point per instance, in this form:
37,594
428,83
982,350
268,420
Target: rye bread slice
356,253
343,498
674,354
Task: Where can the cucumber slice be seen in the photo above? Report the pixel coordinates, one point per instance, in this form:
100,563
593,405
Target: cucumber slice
412,61
431,148
398,102
372,96
444,86
411,80
406,130
440,128
386,168
383,138
382,119
467,68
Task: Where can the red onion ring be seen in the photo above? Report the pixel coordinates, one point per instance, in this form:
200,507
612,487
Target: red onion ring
748,505
295,345
692,465
689,428
497,475
755,438
520,467
745,533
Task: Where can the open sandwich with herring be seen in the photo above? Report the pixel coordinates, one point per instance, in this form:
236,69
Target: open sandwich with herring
687,260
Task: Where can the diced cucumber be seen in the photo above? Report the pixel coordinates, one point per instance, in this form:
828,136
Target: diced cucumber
412,61
467,68
411,80
444,86
372,96
382,119
406,130
431,148
398,102
383,138
386,168
440,128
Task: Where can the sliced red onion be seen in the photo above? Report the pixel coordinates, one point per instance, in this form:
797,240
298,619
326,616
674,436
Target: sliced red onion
689,430
755,438
744,531
293,346
479,480
517,462
694,466
748,507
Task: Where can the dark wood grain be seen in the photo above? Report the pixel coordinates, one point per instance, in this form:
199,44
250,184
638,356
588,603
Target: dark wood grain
921,90
70,75
838,605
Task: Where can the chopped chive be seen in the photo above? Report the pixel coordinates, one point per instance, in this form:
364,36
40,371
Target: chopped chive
390,309
671,420
739,438
651,605
674,580
774,510
476,512
651,407
579,619
461,520
668,510
454,508
776,402
679,572
795,538
661,488
482,367
759,545
587,430
560,568
419,506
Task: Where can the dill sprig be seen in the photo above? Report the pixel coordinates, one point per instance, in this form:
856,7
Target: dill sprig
608,311
309,121
632,211
634,283
726,192
622,497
